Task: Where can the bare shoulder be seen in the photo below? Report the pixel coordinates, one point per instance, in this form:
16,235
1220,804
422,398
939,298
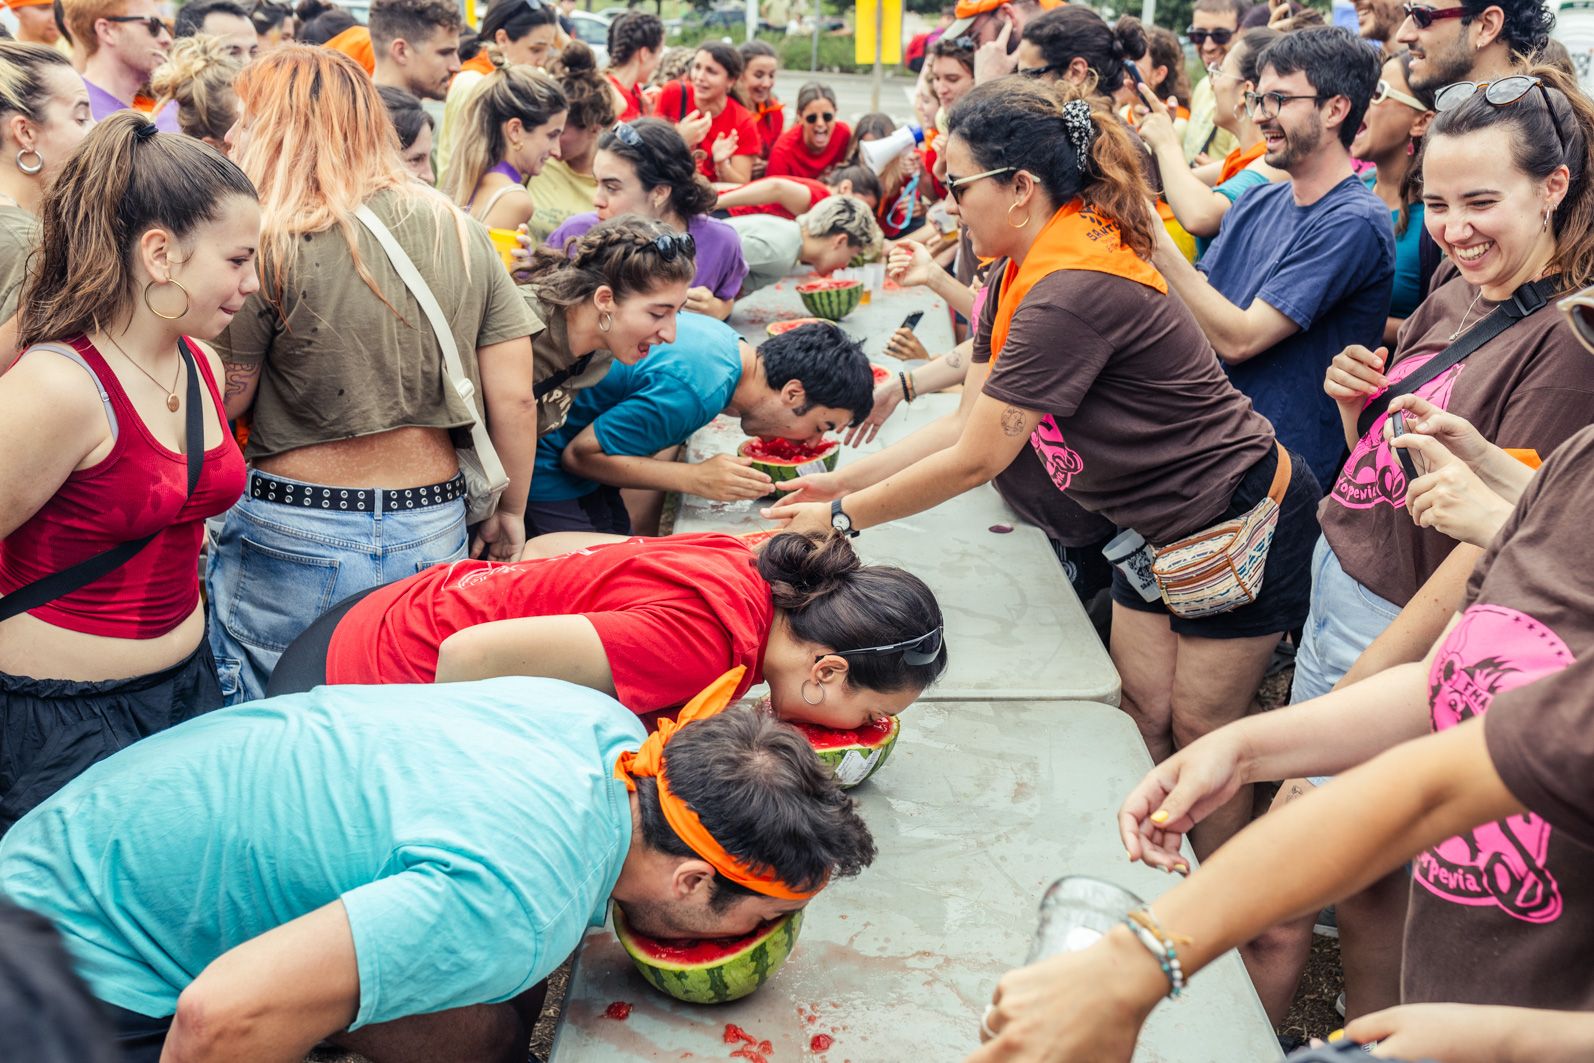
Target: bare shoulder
49,399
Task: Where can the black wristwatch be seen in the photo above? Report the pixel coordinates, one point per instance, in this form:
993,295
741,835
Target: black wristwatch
840,521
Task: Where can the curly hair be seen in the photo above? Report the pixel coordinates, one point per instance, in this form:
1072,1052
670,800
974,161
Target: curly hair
410,20
662,159
1527,25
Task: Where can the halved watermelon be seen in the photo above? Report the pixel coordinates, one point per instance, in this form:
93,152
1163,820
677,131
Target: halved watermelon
711,970
830,298
853,755
775,328
785,459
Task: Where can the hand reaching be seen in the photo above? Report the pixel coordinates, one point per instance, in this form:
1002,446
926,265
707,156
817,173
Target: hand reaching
729,478
910,264
1175,796
886,398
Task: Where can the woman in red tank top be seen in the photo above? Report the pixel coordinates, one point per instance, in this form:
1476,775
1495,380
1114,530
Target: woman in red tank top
636,39
93,420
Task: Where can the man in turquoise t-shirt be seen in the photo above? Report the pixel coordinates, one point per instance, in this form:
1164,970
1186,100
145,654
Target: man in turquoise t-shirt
321,865
798,385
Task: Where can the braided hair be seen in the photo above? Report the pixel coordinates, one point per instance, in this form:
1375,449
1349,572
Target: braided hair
621,253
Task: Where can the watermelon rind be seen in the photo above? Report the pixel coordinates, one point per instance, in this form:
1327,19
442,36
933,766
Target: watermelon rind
853,763
780,471
830,299
729,978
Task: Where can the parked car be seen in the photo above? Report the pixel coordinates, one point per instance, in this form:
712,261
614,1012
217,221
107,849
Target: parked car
728,16
594,33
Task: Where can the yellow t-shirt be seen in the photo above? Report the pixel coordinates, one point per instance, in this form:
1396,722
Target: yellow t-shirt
1200,134
557,193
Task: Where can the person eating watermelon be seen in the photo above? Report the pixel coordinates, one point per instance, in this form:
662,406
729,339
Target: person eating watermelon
397,871
649,621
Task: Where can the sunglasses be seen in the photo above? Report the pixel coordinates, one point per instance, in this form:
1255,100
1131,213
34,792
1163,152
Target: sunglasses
151,22
916,652
1220,36
1579,311
1215,70
675,245
827,117
1502,93
1424,17
627,135
965,43
955,185
1385,92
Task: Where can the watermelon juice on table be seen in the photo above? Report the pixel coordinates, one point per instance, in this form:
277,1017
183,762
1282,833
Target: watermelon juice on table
711,970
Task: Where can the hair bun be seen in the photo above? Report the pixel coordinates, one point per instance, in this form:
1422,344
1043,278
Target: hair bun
577,58
802,569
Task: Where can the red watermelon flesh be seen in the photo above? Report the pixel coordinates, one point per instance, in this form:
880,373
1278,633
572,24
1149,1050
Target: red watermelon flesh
881,374
792,450
826,284
856,754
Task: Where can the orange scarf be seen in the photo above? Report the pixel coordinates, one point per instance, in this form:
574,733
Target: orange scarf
481,62
1238,160
1074,238
355,42
649,762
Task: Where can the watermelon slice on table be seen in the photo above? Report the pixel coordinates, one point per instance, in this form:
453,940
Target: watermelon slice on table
776,328
711,970
853,755
830,298
786,459
881,374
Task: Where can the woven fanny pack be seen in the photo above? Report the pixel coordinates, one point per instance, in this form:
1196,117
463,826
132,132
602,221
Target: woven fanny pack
1221,568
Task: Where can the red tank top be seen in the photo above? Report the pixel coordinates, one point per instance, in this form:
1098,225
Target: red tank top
137,489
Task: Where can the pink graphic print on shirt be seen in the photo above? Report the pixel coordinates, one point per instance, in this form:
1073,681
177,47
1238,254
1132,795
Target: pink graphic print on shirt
1062,462
1501,864
1372,475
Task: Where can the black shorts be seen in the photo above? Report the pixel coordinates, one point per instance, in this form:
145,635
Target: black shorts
138,1037
1287,578
601,511
303,664
52,730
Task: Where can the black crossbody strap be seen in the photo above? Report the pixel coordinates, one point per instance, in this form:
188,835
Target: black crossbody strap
58,584
556,380
1525,301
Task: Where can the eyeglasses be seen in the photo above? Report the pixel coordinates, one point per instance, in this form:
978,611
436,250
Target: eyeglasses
1219,36
916,652
820,116
1502,93
1040,71
675,245
1579,311
1385,92
955,185
152,23
627,135
1264,105
965,43
1215,70
1427,16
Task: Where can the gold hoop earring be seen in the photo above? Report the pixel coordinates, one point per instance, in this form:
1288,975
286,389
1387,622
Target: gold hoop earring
605,322
804,693
157,313
30,168
1010,224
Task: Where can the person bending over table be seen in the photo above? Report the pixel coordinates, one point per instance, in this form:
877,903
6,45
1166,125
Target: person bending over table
398,870
787,197
1137,424
799,386
828,237
649,621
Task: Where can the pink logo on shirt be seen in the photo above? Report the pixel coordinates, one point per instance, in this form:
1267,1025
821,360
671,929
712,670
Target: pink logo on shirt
1062,462
1502,864
1373,475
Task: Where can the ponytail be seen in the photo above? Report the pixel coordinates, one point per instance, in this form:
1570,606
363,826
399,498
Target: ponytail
621,253
587,92
122,181
1075,32
508,92
833,600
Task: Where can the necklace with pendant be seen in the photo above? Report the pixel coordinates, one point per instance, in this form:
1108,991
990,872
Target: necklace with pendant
1463,326
173,403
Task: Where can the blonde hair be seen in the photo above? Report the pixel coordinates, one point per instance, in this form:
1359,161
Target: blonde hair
80,17
320,145
197,77
508,92
844,214
22,69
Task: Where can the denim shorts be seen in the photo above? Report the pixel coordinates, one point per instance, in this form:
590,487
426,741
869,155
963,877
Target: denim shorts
1344,620
274,568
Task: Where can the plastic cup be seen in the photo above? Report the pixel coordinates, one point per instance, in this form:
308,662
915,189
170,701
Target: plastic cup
507,241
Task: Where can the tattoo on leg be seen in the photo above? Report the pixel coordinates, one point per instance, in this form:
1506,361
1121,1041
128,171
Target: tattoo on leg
1012,421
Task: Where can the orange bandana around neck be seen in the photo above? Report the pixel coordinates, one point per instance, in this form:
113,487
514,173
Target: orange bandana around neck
1074,238
1239,159
648,762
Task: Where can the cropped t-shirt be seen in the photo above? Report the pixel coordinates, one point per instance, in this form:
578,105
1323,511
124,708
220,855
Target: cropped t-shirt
337,363
19,232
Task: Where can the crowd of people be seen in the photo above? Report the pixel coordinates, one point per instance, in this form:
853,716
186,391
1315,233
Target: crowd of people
344,368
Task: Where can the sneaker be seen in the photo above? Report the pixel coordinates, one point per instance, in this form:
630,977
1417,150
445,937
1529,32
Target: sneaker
1339,1005
1327,924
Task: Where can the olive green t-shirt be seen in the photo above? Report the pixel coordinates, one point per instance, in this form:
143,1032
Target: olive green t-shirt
338,363
19,235
551,358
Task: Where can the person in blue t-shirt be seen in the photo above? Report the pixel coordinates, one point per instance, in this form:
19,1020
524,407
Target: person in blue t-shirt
1301,269
322,865
798,385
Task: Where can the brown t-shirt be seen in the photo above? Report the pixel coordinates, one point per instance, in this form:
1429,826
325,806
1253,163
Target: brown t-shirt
1027,487
19,235
338,363
1531,387
1144,427
551,354
1504,914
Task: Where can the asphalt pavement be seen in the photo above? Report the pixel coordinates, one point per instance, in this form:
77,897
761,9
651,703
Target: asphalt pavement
853,92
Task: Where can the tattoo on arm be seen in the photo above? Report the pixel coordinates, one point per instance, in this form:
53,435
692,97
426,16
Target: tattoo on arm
1012,421
239,377
955,360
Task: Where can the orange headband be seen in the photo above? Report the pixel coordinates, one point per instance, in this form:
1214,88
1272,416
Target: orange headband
648,762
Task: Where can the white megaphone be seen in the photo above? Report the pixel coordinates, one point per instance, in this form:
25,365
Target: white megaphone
878,154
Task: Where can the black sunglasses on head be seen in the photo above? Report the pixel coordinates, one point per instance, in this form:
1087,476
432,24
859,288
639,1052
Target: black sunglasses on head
916,652
1502,93
675,244
153,23
1220,36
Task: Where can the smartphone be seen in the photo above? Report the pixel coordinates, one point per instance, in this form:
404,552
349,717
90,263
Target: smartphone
1134,72
911,322
1397,423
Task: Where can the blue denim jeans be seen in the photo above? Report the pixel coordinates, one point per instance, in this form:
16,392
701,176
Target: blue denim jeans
1344,620
274,568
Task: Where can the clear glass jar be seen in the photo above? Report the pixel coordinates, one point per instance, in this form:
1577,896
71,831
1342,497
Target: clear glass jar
1075,912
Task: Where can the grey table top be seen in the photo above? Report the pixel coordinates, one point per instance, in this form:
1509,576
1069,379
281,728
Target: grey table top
871,325
980,807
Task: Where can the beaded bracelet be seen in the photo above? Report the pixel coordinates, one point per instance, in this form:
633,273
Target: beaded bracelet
908,392
1161,946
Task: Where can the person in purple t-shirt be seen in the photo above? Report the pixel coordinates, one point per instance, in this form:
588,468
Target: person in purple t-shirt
122,51
643,167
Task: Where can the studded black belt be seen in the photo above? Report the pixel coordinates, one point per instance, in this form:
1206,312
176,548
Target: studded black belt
354,499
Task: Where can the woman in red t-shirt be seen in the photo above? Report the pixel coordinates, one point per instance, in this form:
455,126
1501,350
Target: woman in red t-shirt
817,143
650,621
757,87
636,39
718,128
787,197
